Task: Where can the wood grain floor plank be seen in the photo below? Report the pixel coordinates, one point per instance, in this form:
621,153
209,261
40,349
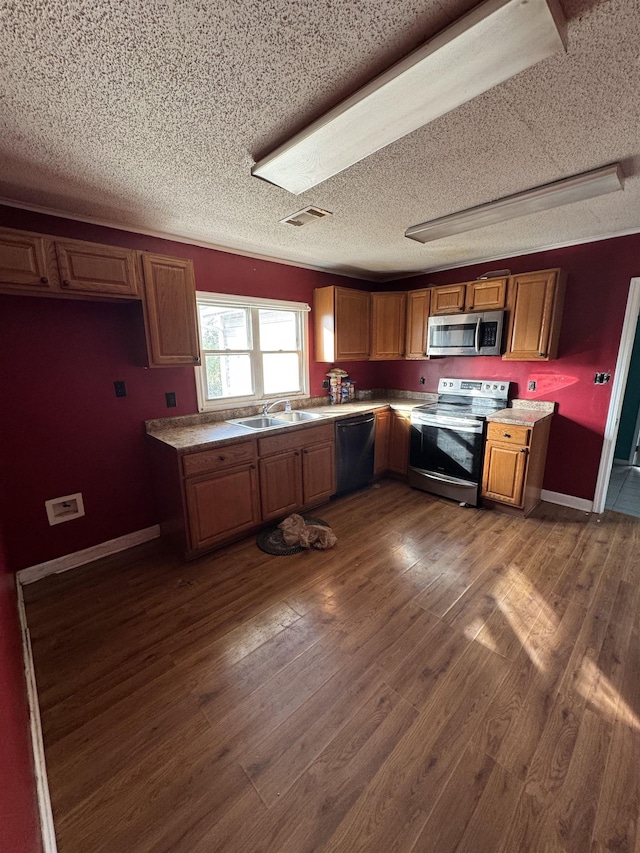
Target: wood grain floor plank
443,679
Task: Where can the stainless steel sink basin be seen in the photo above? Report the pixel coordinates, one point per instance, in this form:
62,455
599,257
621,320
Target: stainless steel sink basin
294,417
272,421
259,422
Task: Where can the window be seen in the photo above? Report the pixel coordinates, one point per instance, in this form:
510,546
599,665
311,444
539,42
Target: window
252,350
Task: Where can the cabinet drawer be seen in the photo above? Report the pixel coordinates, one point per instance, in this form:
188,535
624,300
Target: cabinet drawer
295,439
508,433
225,456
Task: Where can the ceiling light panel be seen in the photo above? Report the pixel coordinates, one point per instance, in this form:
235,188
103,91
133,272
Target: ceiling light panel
576,188
493,42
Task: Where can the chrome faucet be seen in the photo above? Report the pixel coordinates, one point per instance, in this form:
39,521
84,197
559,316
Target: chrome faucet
266,407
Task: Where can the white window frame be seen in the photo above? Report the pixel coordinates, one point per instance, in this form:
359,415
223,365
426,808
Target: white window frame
259,397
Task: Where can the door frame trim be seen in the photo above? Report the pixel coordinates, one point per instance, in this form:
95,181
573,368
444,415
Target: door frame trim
617,394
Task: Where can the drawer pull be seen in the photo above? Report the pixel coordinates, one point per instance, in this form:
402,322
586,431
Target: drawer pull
254,467
66,283
506,434
222,458
44,280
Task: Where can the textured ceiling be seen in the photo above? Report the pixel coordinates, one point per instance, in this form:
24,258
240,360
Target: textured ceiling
150,116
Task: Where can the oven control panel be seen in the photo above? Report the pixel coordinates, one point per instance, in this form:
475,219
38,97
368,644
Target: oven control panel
495,389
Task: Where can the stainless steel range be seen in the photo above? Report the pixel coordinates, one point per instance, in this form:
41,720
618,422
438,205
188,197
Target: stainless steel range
447,437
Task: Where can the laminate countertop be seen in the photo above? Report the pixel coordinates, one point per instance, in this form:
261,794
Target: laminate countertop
189,437
524,413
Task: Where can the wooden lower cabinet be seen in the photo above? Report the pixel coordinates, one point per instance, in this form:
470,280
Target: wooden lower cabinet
297,470
211,497
399,433
514,464
221,506
280,484
381,445
318,472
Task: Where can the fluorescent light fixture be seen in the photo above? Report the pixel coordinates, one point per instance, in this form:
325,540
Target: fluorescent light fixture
493,42
608,179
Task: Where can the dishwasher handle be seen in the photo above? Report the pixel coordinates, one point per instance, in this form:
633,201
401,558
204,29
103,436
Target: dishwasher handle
351,422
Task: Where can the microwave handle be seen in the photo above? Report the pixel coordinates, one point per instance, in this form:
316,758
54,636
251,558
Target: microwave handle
477,338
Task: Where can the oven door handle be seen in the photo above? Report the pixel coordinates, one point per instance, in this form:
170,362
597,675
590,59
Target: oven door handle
477,337
458,426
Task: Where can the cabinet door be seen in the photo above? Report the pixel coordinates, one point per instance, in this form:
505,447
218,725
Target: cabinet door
399,441
504,472
351,324
448,299
223,505
170,311
417,316
318,472
486,295
388,325
381,446
280,484
535,302
24,261
100,270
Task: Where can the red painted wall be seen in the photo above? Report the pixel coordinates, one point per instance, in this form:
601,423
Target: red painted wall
63,430
597,290
19,826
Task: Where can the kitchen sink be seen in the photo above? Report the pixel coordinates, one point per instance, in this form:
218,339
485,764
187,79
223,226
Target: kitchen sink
259,422
294,417
272,421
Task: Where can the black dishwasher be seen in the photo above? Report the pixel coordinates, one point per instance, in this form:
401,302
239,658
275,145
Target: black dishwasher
354,452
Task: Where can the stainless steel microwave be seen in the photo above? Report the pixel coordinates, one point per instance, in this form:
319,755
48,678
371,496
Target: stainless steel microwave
465,334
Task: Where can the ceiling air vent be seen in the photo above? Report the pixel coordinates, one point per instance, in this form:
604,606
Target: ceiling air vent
305,216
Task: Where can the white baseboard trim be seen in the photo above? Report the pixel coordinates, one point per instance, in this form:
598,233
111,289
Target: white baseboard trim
37,745
88,555
567,500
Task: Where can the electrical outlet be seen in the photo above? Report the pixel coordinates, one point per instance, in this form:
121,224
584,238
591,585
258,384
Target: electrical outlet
170,397
422,380
120,388
601,378
65,508
325,384
532,385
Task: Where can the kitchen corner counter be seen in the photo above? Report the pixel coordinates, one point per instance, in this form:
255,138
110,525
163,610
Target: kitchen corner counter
524,413
193,437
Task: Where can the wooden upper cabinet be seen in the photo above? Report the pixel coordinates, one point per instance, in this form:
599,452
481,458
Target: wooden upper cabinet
341,324
25,261
487,295
535,302
170,311
388,325
97,269
448,299
417,316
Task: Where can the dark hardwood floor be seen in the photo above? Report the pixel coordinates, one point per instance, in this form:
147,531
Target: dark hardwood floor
444,679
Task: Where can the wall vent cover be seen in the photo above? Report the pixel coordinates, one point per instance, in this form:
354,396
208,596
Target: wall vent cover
305,216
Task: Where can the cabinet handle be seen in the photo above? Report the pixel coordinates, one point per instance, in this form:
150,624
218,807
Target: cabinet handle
254,467
196,358
305,451
542,355
66,283
523,450
296,453
506,434
222,458
44,280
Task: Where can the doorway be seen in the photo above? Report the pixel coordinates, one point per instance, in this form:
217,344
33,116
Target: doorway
611,477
